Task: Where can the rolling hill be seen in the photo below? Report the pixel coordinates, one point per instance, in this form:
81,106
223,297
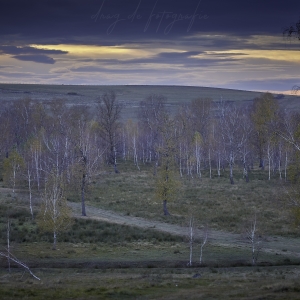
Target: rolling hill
131,95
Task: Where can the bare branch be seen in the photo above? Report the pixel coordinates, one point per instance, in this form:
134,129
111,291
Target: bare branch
17,261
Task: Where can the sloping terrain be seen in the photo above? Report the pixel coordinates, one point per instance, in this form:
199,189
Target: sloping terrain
279,245
131,95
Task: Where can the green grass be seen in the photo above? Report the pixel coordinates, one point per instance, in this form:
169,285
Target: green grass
90,241
25,230
97,260
211,201
214,283
142,254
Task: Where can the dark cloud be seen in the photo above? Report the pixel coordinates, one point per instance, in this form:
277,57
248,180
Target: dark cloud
13,50
189,27
119,20
178,55
5,67
16,74
31,54
224,54
43,59
92,69
114,65
186,58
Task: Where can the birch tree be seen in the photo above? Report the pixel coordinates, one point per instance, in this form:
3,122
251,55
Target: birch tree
10,257
109,114
88,153
133,140
254,240
243,140
54,215
264,112
229,131
151,114
203,242
32,167
12,167
198,143
191,239
166,182
29,176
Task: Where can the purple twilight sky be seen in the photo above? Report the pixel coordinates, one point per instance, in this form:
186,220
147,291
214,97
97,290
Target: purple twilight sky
215,43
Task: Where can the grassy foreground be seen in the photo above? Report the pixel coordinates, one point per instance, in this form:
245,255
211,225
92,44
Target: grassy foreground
99,260
209,283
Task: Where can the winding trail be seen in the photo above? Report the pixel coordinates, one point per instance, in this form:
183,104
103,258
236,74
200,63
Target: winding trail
275,245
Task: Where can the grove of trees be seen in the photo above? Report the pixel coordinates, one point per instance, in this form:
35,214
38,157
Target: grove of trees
53,147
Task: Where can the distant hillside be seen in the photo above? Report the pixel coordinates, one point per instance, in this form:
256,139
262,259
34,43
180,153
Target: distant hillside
131,95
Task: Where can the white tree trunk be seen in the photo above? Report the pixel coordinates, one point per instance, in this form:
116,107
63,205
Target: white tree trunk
30,191
203,244
219,165
8,244
209,161
285,166
269,160
191,240
180,160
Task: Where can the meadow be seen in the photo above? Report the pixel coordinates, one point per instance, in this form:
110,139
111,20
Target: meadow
102,260
102,257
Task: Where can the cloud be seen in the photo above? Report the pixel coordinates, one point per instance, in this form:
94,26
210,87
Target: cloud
73,19
151,54
99,69
17,74
14,50
43,59
28,53
186,59
7,67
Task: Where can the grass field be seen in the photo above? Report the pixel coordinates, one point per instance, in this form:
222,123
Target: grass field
98,260
103,260
177,283
213,201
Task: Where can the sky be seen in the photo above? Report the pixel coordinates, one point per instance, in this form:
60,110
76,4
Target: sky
211,43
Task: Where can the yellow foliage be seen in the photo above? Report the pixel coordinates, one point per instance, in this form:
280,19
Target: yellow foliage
264,111
198,138
11,166
167,185
296,214
54,214
94,125
293,172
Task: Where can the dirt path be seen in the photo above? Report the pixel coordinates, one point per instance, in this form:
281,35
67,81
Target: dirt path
276,245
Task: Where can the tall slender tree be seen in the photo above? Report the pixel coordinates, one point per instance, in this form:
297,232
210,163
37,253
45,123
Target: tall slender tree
54,215
109,116
166,183
264,111
87,151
